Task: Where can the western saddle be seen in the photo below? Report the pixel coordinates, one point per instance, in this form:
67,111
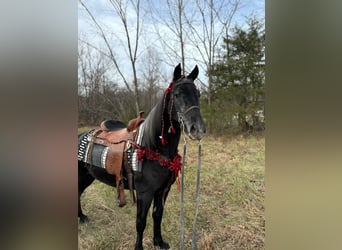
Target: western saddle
115,135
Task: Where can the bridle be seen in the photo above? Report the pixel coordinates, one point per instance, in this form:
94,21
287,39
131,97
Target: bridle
180,115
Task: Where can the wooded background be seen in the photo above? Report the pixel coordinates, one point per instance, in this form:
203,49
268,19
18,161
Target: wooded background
127,60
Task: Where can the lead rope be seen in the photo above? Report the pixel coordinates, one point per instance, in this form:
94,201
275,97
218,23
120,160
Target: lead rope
194,235
182,190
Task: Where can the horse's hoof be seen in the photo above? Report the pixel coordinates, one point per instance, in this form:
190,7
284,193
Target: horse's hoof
121,203
165,246
83,218
162,244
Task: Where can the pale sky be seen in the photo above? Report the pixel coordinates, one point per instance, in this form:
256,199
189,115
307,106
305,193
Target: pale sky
112,24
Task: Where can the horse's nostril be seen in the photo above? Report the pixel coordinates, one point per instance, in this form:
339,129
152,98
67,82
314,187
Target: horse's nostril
192,129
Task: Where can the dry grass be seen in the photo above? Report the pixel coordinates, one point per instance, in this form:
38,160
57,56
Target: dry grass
231,213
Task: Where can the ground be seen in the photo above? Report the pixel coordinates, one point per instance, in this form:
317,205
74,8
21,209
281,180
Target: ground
231,213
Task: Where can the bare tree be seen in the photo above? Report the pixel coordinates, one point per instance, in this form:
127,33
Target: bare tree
195,29
151,76
120,8
99,97
170,14
206,33
92,82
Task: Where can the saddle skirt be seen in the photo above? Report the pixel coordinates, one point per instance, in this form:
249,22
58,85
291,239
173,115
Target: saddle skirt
112,144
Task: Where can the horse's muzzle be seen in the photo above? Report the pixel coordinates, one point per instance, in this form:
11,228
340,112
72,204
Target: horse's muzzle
197,129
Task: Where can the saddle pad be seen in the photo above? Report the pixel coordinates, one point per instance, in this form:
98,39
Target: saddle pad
83,146
98,155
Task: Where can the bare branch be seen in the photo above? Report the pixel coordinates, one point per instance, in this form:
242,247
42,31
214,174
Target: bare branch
104,37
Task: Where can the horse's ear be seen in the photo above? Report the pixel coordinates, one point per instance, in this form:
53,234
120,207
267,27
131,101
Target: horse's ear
177,72
194,73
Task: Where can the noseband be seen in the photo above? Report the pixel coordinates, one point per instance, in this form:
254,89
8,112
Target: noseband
181,115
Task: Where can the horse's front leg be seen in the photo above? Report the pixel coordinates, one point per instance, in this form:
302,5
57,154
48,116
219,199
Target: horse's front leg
157,215
144,200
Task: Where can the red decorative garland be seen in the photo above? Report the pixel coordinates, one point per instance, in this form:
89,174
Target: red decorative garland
174,165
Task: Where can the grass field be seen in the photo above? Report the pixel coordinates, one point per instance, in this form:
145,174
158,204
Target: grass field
231,212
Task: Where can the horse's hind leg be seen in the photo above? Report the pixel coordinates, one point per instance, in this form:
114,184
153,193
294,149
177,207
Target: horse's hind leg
84,180
158,209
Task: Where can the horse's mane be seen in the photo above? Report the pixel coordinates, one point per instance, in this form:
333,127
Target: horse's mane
152,126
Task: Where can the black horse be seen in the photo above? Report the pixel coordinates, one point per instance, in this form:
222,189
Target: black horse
177,110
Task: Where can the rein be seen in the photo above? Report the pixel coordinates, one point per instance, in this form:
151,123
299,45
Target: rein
194,234
182,193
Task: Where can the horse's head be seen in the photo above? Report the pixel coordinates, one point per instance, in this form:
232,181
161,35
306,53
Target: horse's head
186,103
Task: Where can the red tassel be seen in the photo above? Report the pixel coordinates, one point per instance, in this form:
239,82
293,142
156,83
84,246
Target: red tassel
173,130
163,141
170,87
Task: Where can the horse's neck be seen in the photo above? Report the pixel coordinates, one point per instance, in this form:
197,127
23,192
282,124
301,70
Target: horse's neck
153,131
172,141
